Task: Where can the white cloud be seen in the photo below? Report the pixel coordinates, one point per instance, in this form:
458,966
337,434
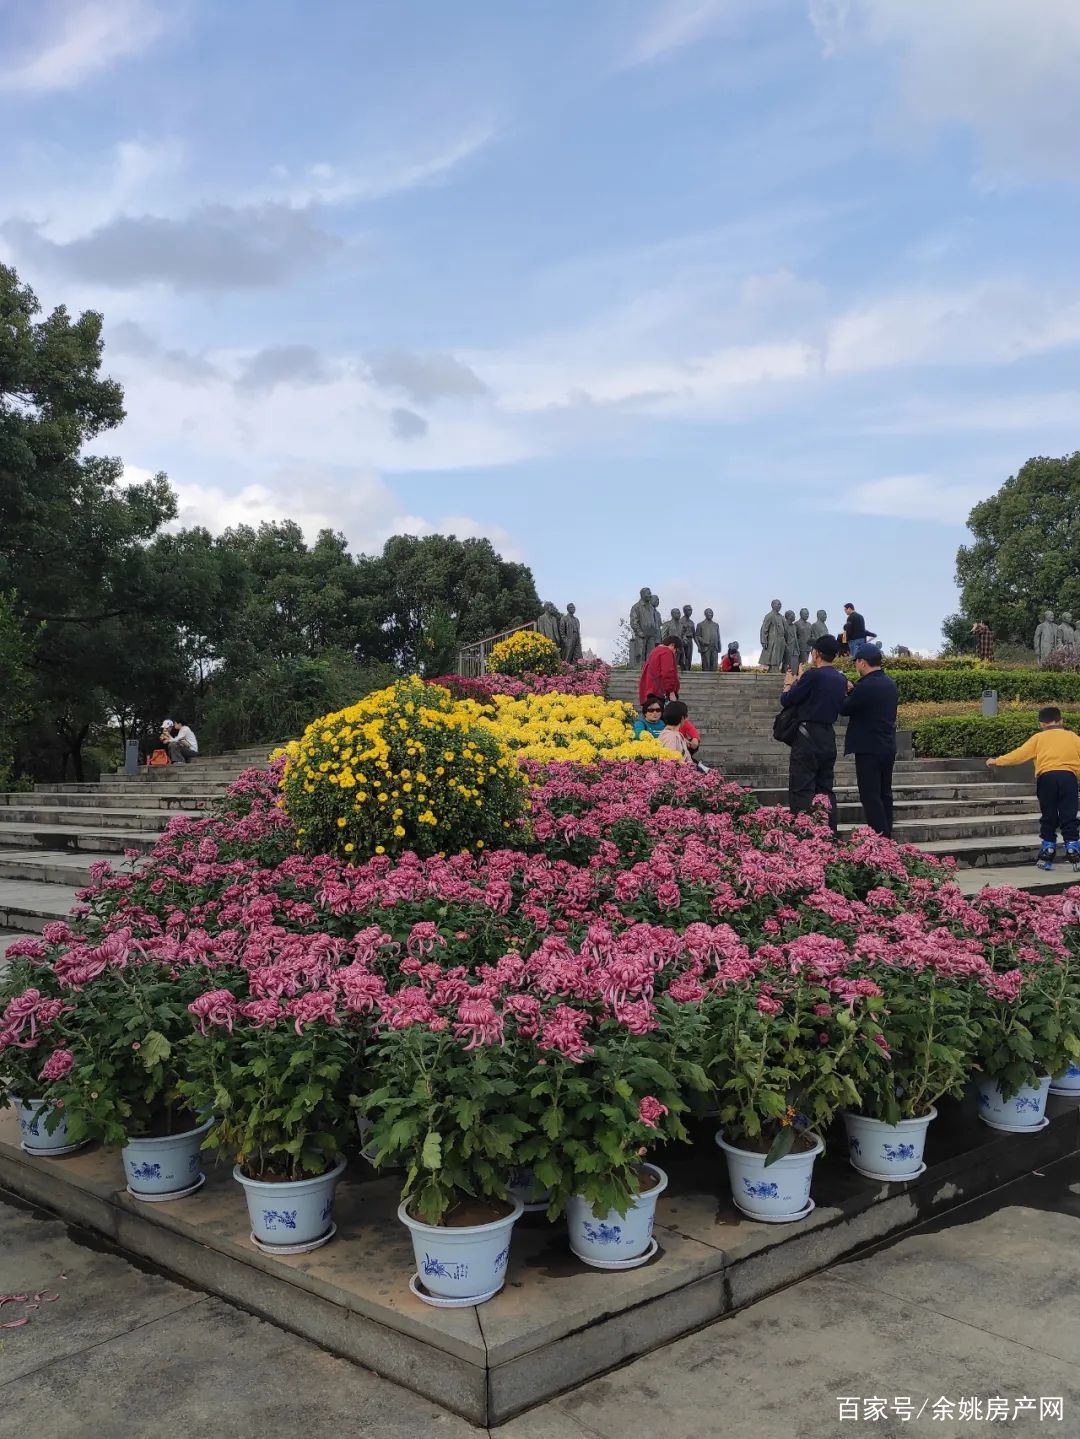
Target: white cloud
914,497
78,39
1004,69
677,23
375,179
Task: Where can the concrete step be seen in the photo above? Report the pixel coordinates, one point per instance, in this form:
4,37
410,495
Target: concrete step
59,867
67,837
85,817
27,906
848,792
927,832
180,774
999,850
1018,876
100,797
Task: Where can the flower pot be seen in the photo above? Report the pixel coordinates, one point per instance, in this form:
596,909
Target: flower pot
615,1239
521,1185
1024,1112
36,1139
291,1216
467,1264
1067,1083
778,1194
166,1167
890,1152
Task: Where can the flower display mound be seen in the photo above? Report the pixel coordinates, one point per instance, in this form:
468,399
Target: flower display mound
581,677
657,946
525,652
407,768
580,728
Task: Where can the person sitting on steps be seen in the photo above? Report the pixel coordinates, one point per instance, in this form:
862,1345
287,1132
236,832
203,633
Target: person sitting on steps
183,747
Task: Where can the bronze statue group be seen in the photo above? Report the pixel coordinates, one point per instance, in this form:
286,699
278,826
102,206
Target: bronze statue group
647,630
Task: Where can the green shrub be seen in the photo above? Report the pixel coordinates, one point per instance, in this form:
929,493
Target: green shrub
979,736
1033,686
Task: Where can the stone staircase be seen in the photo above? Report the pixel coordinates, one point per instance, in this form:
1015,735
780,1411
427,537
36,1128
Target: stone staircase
50,837
987,820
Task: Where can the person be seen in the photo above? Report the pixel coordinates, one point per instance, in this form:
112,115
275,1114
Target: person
732,661
651,719
183,746
984,640
818,694
871,737
855,634
660,673
1056,752
671,736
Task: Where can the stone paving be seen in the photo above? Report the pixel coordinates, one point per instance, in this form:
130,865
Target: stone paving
980,1305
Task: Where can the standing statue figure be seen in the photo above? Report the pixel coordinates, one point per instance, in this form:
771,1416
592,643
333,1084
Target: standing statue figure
672,630
571,635
773,638
791,643
1046,637
819,627
644,629
686,631
707,636
803,629
548,624
1066,635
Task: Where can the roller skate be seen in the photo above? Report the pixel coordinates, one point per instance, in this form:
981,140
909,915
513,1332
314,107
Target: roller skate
1072,854
1046,857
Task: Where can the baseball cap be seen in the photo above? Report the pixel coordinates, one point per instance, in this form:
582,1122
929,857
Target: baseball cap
871,654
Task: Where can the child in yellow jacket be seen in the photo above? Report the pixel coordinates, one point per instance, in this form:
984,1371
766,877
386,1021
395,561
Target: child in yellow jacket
1056,752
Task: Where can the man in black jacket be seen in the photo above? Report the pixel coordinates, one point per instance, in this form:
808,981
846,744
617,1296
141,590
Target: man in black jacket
871,737
855,635
817,696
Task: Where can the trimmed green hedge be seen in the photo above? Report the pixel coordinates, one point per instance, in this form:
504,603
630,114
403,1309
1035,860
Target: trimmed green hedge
977,736
1043,687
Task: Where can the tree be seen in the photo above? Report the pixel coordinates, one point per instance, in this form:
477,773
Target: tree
429,596
1026,551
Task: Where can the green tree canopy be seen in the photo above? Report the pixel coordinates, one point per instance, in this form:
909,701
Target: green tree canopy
1026,551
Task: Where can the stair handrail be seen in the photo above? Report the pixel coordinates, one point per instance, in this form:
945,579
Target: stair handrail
473,657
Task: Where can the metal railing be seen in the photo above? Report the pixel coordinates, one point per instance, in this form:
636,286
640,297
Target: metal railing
472,659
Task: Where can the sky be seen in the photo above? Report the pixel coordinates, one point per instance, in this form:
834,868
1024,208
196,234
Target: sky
737,299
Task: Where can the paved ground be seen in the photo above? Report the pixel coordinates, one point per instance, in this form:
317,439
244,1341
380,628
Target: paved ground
982,1305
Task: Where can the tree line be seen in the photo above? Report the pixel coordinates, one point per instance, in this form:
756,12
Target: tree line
110,619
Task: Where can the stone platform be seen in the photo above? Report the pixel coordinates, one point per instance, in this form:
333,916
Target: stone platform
556,1323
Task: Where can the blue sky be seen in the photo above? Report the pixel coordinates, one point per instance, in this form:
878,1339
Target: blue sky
733,298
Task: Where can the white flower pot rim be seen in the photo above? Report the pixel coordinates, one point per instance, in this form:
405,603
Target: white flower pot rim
133,1140
919,1120
795,1156
287,1184
460,1229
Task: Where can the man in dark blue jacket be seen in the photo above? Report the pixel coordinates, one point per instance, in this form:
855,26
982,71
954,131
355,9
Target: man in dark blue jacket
871,737
817,694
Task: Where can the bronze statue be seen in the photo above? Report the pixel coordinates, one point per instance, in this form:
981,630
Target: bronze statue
707,636
1046,637
672,630
644,628
571,635
548,623
1066,635
773,638
819,627
803,630
791,642
686,633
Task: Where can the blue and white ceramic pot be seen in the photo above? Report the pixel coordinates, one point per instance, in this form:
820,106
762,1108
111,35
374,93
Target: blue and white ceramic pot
166,1167
1025,1110
1067,1083
614,1236
462,1263
292,1212
33,1116
891,1152
776,1194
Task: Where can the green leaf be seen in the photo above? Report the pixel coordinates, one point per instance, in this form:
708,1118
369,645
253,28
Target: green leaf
154,1049
782,1145
431,1155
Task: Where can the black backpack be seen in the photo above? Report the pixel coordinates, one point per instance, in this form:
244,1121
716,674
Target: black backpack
785,726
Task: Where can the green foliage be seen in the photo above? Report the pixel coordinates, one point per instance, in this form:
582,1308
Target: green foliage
1025,1037
15,683
1023,556
932,1035
968,682
978,736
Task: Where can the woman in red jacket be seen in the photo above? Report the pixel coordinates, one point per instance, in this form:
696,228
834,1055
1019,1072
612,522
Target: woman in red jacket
660,675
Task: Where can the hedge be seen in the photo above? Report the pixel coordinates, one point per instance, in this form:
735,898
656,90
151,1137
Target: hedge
1035,686
978,736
